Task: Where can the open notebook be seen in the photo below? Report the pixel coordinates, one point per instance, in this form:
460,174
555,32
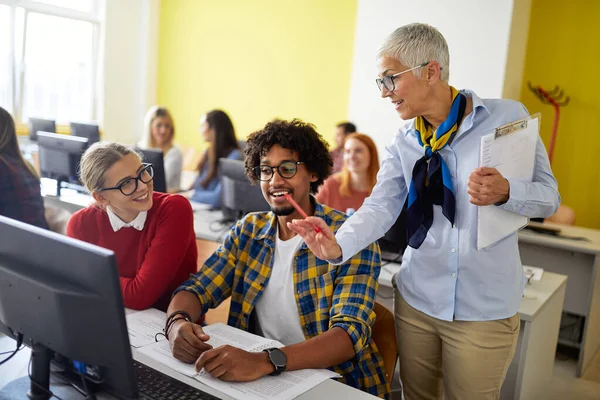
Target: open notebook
288,385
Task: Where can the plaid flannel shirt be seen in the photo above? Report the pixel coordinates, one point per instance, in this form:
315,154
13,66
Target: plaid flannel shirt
20,194
327,295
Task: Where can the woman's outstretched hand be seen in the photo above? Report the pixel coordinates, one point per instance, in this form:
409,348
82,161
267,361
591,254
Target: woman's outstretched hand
322,244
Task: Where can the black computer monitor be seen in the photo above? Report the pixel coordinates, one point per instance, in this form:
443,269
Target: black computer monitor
89,131
394,242
64,300
38,124
60,156
155,157
238,195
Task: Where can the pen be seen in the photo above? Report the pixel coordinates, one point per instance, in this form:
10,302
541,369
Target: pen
300,210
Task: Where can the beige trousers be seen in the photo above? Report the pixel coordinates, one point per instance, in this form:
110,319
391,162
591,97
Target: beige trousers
460,360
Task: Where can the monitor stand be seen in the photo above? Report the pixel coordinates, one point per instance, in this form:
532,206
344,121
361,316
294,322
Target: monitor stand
40,372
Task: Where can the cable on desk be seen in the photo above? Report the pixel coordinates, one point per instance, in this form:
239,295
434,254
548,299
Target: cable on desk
16,350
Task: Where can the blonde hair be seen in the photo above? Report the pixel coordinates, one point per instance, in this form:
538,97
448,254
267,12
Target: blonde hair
373,164
9,145
154,112
98,159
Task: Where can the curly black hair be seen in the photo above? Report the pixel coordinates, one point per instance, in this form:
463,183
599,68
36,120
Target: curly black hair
294,135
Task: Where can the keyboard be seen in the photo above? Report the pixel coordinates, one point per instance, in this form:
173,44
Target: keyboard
155,385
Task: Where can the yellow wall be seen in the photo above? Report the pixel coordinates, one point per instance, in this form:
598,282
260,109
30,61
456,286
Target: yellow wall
256,60
563,49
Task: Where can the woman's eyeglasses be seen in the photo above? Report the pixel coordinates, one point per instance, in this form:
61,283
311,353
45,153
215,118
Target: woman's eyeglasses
388,81
286,170
129,186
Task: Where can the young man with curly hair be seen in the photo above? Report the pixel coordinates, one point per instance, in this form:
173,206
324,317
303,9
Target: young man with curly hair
322,313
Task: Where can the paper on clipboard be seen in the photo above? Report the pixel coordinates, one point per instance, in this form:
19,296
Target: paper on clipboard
511,150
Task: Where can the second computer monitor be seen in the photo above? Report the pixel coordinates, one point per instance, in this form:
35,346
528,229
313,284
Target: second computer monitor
89,131
39,124
238,195
60,156
155,157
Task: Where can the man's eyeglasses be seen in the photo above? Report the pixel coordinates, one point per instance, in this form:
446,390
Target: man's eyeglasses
129,186
286,170
388,81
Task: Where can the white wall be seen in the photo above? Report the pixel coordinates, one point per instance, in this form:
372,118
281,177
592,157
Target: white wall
130,67
477,32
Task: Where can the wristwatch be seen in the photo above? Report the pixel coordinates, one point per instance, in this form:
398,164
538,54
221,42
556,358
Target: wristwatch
278,359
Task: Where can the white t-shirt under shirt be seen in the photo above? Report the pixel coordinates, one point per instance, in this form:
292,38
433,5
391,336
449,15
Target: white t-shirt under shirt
276,309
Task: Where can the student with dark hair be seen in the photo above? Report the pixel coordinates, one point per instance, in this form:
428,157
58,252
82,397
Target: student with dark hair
151,233
217,129
322,313
342,130
20,196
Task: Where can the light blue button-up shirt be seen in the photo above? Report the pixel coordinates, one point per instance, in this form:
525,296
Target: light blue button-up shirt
447,277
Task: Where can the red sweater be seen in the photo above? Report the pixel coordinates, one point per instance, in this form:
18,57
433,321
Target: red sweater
152,262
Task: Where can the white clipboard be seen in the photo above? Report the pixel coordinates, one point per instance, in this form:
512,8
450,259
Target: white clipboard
511,150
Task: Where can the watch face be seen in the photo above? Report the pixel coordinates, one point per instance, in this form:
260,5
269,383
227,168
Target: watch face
278,357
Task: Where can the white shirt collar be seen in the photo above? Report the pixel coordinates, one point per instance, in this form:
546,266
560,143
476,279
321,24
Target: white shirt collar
117,223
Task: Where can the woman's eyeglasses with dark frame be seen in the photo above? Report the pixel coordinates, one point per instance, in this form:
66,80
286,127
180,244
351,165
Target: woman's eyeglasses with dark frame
130,186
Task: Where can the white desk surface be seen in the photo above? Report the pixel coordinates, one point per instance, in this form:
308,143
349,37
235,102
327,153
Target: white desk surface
535,297
591,246
17,368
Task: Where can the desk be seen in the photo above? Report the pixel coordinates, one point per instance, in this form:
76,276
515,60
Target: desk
530,372
580,261
17,368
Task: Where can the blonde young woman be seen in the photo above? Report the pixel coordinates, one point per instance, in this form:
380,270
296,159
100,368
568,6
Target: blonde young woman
159,133
346,190
151,233
20,196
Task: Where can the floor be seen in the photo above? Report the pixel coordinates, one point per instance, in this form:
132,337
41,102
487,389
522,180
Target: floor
564,386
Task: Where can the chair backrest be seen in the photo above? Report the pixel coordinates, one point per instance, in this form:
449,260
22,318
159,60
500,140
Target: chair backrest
384,336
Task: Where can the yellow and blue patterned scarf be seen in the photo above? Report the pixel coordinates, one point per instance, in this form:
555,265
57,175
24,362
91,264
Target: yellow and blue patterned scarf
431,180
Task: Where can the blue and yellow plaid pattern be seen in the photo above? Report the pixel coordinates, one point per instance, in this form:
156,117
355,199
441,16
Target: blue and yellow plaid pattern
328,295
431,180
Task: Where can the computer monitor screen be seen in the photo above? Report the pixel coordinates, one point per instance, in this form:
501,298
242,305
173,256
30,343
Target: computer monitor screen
38,124
64,301
89,131
394,242
238,195
60,156
155,157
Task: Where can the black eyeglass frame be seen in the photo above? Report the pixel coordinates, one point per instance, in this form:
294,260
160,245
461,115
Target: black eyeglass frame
257,172
147,167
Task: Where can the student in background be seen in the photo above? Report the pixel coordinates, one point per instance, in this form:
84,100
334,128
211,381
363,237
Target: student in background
346,190
20,196
342,130
322,313
216,129
159,133
151,233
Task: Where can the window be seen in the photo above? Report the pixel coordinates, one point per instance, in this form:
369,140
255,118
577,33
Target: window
49,59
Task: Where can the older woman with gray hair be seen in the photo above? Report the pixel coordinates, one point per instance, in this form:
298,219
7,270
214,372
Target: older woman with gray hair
455,307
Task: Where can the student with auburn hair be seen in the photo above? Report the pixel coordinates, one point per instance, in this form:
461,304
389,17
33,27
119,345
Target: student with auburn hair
151,233
346,190
159,133
20,196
